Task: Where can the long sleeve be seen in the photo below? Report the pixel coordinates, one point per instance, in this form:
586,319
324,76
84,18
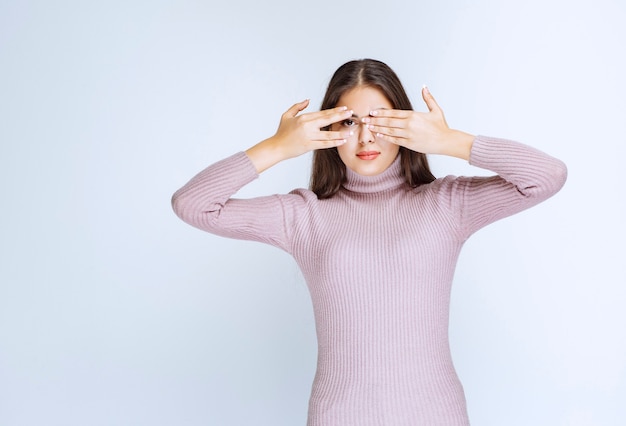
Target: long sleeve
525,177
205,202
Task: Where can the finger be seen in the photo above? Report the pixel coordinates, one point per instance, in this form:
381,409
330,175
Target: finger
392,139
327,113
296,108
330,116
429,99
331,111
332,136
388,131
391,113
329,143
398,123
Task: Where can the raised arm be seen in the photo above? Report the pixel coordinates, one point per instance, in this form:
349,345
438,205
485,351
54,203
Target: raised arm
206,202
525,176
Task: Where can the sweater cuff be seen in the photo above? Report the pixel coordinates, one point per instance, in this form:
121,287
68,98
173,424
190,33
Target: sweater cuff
487,151
241,161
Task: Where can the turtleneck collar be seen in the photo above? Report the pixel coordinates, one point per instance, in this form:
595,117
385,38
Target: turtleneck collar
389,179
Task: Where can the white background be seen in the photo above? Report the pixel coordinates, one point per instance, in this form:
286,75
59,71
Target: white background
114,312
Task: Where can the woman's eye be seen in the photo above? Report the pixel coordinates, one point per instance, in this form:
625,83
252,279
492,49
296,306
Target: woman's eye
349,122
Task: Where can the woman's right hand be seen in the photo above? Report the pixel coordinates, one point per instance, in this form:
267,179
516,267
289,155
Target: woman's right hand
298,134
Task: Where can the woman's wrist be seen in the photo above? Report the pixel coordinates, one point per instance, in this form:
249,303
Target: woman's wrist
265,154
458,144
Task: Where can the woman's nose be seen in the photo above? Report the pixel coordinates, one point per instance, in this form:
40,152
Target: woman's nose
365,134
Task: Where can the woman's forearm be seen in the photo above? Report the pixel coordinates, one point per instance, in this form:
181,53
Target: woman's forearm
265,154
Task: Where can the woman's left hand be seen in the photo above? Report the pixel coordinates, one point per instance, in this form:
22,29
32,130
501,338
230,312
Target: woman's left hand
426,132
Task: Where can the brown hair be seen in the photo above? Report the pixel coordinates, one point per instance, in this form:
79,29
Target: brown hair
329,172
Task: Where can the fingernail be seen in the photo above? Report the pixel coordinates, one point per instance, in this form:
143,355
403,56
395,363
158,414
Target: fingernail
365,120
374,112
425,88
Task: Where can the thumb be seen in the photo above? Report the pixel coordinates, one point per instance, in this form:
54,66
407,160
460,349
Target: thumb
429,99
296,108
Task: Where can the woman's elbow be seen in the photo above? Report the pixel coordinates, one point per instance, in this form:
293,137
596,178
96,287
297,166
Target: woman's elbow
559,175
177,204
183,206
552,180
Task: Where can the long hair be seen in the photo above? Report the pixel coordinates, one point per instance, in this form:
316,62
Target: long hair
328,171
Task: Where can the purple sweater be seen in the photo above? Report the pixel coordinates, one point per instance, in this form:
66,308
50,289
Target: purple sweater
378,258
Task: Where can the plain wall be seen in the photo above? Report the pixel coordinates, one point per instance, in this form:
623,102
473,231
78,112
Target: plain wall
114,312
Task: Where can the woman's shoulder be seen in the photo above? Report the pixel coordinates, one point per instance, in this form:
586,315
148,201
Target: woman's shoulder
301,199
452,185
303,193
441,184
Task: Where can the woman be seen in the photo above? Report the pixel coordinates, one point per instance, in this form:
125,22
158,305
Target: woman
377,238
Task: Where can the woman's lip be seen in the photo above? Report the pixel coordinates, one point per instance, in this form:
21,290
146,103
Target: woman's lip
368,155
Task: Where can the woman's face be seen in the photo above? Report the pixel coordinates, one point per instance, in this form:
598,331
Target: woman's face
363,153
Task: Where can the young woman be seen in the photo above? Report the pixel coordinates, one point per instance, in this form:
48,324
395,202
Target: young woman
377,238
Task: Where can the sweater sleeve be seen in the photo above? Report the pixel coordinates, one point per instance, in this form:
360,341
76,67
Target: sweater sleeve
525,177
205,202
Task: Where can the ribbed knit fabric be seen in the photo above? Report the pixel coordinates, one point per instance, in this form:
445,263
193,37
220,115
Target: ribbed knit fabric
378,258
